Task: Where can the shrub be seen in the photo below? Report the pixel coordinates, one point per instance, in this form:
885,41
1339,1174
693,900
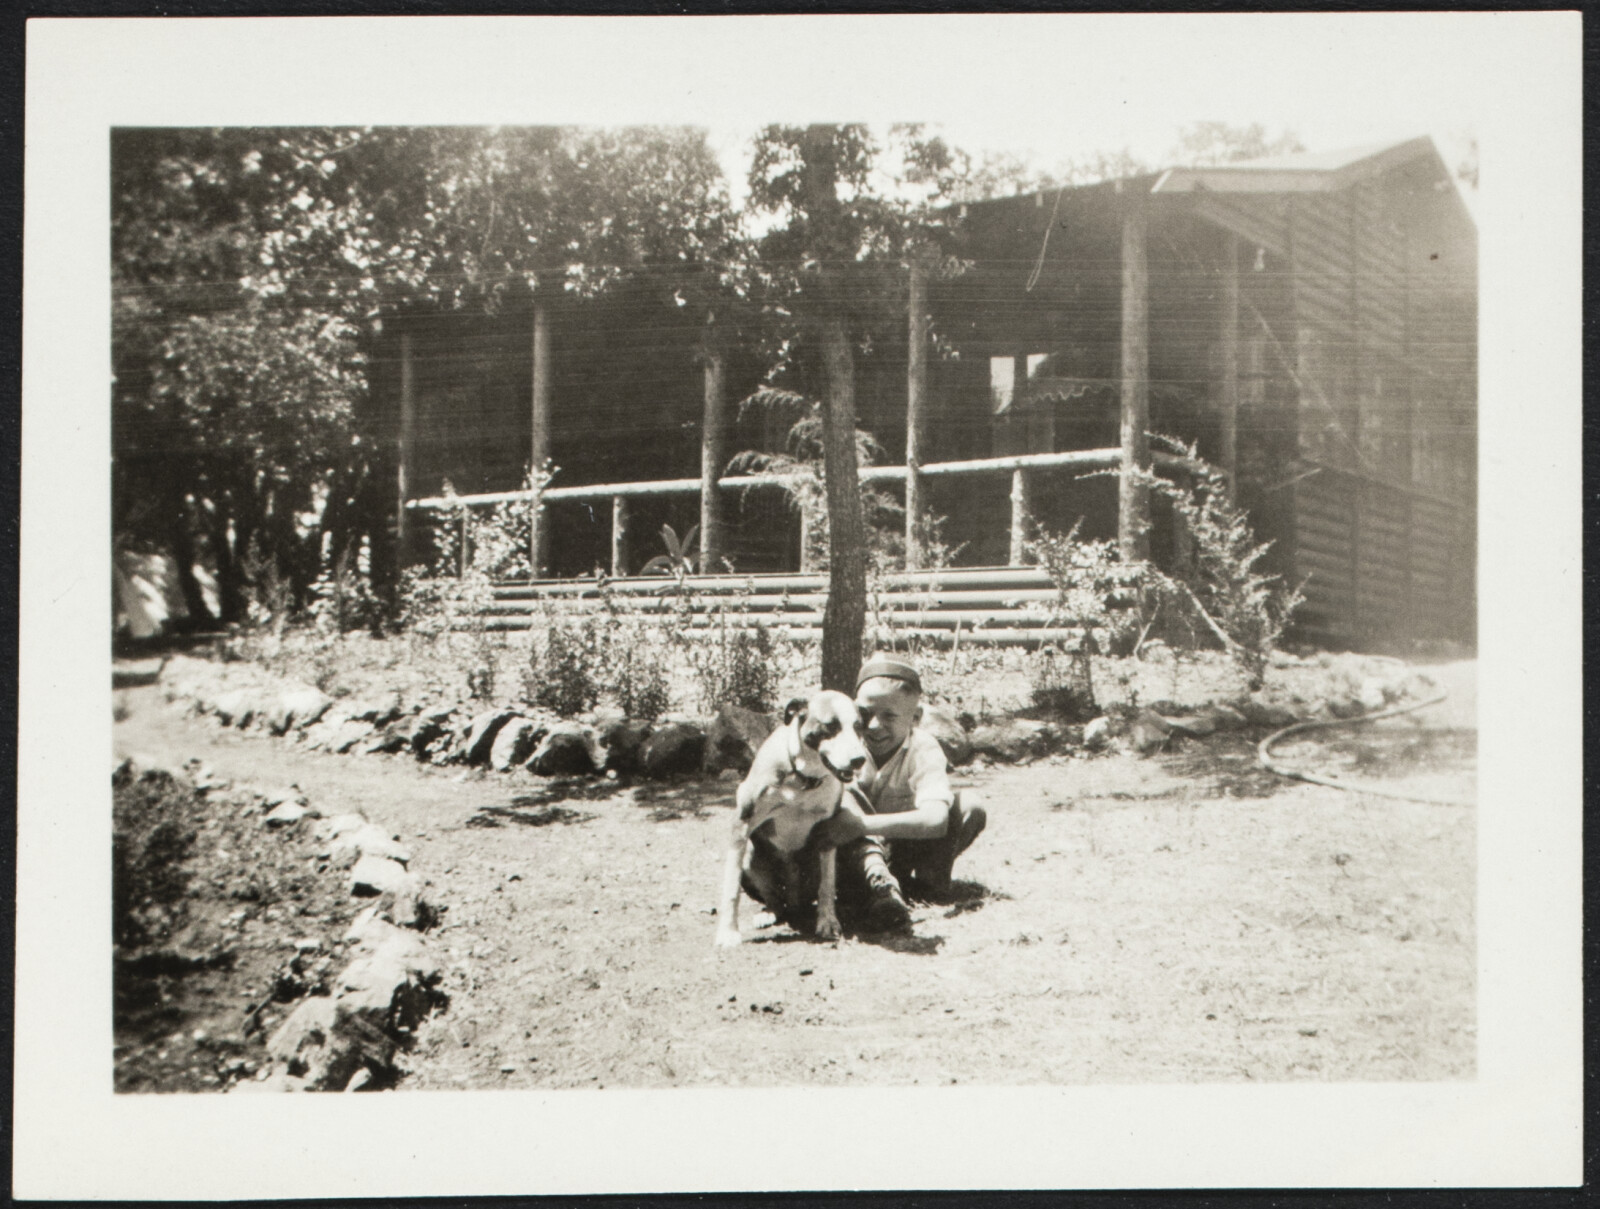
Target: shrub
1095,590
736,664
1242,607
153,833
1063,683
561,668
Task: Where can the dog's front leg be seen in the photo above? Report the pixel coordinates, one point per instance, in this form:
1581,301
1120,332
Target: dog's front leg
728,898
827,893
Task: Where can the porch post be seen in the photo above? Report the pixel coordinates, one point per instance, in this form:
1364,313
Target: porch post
619,535
916,402
408,437
1133,498
1021,484
1228,410
713,456
1019,517
539,453
805,532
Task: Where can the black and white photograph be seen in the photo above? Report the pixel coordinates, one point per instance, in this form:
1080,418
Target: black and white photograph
1003,589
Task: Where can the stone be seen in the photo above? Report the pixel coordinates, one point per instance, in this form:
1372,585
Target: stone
377,875
514,744
1372,695
391,739
366,840
677,747
428,727
1097,732
297,708
952,736
1344,707
1190,726
391,983
286,814
481,734
1011,740
622,741
1225,717
339,824
379,711
348,735
235,708
734,737
1148,733
324,1043
568,749
1266,713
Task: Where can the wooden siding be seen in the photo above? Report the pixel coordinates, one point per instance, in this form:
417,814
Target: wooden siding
1379,562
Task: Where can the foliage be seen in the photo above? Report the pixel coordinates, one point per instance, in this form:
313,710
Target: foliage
1062,682
154,826
679,559
735,664
800,465
1203,144
1245,608
1095,589
249,266
561,673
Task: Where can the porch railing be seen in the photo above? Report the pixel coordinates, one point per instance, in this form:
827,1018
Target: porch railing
1021,467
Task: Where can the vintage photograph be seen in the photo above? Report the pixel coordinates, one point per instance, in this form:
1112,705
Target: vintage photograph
526,551
781,602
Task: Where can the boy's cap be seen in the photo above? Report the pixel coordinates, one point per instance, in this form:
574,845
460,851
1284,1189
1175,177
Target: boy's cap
894,669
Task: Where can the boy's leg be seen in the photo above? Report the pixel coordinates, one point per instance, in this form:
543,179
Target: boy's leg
868,892
930,861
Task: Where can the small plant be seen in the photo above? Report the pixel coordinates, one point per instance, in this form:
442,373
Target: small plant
1095,590
560,676
679,559
153,832
1245,609
1063,683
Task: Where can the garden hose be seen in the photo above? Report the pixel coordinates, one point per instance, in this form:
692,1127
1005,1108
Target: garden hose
1264,755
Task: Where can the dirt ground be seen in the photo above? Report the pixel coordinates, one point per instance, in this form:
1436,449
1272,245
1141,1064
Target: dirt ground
1186,917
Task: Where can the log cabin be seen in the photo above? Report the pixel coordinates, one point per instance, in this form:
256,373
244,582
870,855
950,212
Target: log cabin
1308,321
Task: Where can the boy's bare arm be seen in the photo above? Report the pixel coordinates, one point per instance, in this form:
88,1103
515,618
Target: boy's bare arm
926,822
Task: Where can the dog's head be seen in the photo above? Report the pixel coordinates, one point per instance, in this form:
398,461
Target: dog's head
829,732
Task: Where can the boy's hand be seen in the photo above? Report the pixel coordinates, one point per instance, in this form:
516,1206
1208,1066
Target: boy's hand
846,825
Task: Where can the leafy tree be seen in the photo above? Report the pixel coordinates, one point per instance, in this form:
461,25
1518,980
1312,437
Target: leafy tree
250,265
850,218
1202,144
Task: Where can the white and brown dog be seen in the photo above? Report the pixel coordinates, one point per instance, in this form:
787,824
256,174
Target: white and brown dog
796,781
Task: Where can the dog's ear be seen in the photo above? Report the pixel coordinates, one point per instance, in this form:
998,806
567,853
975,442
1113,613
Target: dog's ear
794,709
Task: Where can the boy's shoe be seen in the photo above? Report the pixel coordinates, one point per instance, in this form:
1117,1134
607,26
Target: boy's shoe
886,908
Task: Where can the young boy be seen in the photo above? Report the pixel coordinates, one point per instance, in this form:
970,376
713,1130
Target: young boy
916,826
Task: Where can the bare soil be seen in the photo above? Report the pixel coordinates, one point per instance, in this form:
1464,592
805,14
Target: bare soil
1186,917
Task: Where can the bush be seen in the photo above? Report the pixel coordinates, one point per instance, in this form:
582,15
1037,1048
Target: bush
1063,683
154,825
1095,590
1243,608
561,674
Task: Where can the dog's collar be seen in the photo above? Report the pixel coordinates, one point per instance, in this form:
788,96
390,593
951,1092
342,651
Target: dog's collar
806,783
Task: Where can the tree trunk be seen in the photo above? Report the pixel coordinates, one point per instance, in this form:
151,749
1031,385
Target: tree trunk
182,540
539,452
844,618
713,456
916,404
1133,497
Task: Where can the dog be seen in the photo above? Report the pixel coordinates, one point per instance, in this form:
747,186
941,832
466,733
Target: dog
796,781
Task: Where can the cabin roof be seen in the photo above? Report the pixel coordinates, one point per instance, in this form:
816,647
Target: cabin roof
1307,172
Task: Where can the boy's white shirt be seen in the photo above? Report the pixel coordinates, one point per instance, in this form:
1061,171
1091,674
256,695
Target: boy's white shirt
916,774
